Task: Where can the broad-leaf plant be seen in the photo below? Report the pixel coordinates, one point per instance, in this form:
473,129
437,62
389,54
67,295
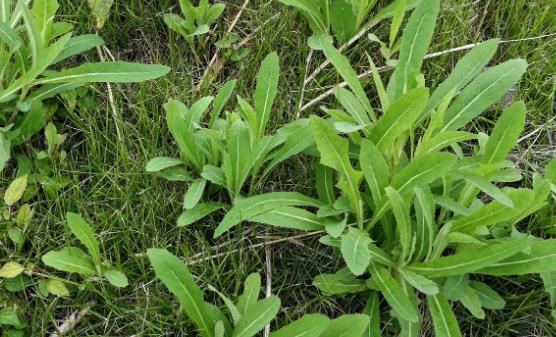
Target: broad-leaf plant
417,204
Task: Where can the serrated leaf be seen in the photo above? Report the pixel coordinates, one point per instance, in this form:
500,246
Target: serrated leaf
355,250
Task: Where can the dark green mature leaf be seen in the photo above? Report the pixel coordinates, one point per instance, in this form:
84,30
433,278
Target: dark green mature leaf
347,326
355,250
256,317
342,20
399,118
445,323
251,207
485,90
82,230
69,259
422,171
312,325
469,260
175,275
419,282
237,164
541,258
444,139
505,133
416,39
182,132
393,293
265,92
342,282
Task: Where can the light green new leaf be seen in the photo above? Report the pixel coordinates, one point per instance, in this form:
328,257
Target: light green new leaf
220,101
352,105
69,259
161,163
194,193
420,282
291,217
444,139
416,39
177,278
265,91
399,118
393,293
237,164
116,278
198,212
248,208
425,225
445,323
541,258
490,299
484,91
472,302
504,136
469,260
375,169
485,186
250,295
82,230
256,317
342,20
312,325
355,250
347,326
15,190
404,227
342,282
107,72
79,44
423,170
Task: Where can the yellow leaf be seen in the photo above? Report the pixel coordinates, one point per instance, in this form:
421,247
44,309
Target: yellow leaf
11,270
57,288
15,190
24,215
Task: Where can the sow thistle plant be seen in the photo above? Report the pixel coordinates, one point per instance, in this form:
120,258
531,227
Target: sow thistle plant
33,47
230,152
247,315
419,212
196,20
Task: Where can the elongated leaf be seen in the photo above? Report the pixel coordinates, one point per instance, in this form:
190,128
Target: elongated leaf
488,296
265,92
422,171
485,90
425,226
296,142
505,133
416,39
116,278
541,258
177,278
256,317
220,101
372,309
251,290
107,72
79,44
444,139
404,227
375,169
312,325
325,184
465,70
194,193
291,217
198,212
347,326
15,190
161,163
69,259
237,164
342,20
399,118
249,208
355,250
445,323
393,293
485,186
469,260
82,230
310,9
342,282
420,283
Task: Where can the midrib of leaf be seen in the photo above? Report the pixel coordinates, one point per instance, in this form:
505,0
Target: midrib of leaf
76,266
441,312
70,77
395,123
294,216
387,289
254,321
265,112
412,47
474,100
502,264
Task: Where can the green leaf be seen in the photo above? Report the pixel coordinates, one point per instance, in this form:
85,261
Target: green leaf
291,217
342,282
116,278
471,301
404,227
11,270
342,20
393,293
444,139
265,91
69,259
181,130
399,118
422,171
194,193
469,260
312,11
250,295
248,208
312,325
425,225
488,296
347,326
505,134
420,283
198,212
485,186
234,312
352,105
236,163
445,323
416,39
57,288
161,163
220,101
15,190
82,230
325,183
100,9
77,45
296,142
107,72
355,250
8,316
375,169
175,275
334,153
372,309
454,286
485,90
541,258
465,70
256,317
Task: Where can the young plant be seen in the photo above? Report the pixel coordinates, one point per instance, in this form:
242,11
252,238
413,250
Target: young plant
231,152
33,44
419,210
195,21
74,260
344,18
247,315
